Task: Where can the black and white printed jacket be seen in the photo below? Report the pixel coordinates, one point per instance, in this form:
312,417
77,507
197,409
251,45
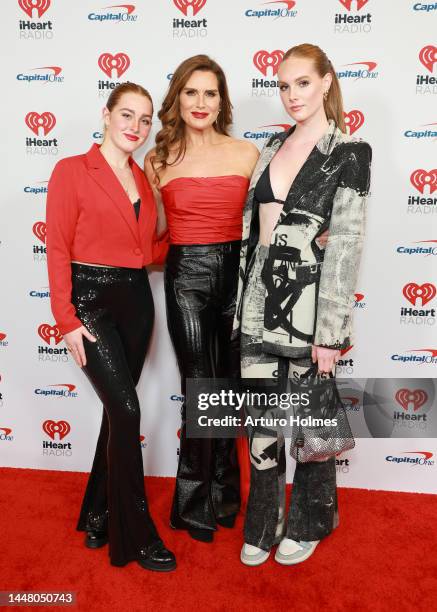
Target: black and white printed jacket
310,290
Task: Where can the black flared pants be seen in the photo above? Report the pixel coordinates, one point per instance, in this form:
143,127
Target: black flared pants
116,306
200,289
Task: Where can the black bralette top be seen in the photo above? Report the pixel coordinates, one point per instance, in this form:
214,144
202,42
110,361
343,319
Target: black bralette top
136,206
263,189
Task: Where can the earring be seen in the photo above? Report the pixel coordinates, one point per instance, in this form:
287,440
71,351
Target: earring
325,94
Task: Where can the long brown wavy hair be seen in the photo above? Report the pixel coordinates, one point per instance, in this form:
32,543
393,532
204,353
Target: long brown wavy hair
171,137
334,102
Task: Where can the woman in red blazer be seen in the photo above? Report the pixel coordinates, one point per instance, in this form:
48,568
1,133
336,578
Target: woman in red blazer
101,233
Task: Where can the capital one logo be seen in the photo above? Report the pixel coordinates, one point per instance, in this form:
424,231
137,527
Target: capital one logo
49,332
29,6
421,178
36,122
263,60
119,62
51,428
2,336
428,57
348,4
414,292
354,119
184,5
283,126
40,230
407,398
7,430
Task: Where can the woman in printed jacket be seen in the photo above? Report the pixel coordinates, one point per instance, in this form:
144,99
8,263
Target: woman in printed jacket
295,297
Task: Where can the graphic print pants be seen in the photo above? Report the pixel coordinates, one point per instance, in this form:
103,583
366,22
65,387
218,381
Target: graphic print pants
313,509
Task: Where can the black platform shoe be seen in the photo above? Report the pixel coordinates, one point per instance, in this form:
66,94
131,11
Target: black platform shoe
202,535
227,521
95,539
158,558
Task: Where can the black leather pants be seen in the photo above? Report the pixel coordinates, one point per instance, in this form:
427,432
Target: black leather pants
116,306
200,289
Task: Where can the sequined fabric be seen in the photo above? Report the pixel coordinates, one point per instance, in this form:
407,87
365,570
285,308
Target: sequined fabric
116,306
313,509
200,288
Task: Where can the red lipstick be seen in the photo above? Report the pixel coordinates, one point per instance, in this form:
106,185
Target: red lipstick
132,137
199,115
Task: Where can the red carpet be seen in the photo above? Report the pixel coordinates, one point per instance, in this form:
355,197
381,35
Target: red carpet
382,557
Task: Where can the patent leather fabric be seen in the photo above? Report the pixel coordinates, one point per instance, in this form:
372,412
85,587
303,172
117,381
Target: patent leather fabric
200,289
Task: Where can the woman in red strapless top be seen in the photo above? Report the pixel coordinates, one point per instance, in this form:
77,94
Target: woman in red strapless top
201,176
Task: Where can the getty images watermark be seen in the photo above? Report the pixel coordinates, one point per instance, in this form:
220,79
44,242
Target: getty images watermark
263,401
374,408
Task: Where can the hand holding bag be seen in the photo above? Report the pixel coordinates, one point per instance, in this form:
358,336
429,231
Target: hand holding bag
318,440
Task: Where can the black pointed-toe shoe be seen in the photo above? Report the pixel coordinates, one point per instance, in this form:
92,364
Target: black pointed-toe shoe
95,539
158,558
227,521
202,535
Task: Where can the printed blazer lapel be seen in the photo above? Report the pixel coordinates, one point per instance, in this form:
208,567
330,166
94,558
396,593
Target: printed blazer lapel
312,171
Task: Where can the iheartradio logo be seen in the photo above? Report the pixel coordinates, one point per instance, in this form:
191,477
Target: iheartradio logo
51,428
428,57
407,398
348,4
49,332
28,6
263,60
414,292
36,122
40,230
119,62
354,119
184,5
421,178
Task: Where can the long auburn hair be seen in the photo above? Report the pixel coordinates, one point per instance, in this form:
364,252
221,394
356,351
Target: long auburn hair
171,137
334,102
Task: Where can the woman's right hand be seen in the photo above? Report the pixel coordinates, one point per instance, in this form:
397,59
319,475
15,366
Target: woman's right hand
74,343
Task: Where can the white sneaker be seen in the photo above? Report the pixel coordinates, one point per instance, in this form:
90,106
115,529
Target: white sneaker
252,555
290,552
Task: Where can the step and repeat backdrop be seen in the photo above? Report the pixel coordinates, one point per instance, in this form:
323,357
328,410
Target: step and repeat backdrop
63,58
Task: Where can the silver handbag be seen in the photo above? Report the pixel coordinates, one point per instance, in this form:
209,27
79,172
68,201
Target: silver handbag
312,440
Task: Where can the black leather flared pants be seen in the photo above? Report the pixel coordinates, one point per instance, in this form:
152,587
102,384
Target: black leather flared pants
200,289
116,306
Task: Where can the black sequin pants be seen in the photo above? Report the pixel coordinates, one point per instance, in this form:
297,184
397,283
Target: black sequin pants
200,289
313,511
116,306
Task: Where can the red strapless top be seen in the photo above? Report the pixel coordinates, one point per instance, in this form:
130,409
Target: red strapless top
205,210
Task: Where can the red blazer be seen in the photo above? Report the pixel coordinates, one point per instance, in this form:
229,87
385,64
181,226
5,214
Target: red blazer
91,219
